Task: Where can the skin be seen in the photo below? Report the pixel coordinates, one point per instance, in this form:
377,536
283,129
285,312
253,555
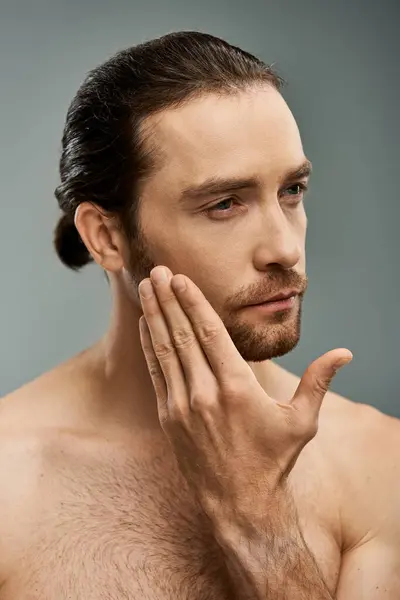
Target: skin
231,238
235,445
91,427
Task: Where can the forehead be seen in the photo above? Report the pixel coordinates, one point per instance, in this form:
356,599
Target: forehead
249,131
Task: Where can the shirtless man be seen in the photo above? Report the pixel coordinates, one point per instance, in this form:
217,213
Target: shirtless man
175,459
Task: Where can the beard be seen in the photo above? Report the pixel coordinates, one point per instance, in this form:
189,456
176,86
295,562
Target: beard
269,338
256,341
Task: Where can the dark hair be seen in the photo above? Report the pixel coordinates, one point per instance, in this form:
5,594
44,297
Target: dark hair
107,152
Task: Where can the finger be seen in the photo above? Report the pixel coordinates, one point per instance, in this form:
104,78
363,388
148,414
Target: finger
317,378
156,374
216,343
163,347
196,368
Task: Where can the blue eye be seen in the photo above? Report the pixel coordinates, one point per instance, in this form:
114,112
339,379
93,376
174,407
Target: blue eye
222,205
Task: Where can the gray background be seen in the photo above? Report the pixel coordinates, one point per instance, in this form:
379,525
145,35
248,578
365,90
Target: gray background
341,61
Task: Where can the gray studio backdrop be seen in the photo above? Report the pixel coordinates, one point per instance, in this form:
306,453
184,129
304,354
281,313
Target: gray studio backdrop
341,60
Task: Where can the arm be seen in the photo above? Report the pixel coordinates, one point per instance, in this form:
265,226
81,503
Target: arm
234,444
272,561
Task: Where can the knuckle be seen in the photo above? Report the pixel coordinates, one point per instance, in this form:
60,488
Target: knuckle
320,385
235,388
154,370
207,332
200,401
163,349
183,338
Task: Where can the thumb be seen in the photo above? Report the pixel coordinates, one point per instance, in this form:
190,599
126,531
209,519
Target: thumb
317,378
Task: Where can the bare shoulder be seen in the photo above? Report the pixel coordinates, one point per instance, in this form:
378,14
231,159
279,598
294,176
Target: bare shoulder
355,422
21,470
364,435
23,437
30,433
364,446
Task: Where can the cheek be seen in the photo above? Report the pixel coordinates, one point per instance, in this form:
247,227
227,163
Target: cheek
200,262
179,244
299,223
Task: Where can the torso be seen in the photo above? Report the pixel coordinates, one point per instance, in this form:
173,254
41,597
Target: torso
104,526
89,516
109,527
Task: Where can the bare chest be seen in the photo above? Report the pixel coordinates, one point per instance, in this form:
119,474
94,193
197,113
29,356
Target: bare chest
111,531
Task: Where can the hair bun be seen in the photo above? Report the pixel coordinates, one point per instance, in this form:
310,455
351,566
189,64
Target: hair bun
69,245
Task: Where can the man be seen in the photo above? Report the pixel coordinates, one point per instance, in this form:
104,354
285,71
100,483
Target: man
173,458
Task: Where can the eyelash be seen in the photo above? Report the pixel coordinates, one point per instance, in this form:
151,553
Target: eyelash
303,189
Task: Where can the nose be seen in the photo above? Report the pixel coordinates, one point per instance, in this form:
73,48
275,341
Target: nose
280,242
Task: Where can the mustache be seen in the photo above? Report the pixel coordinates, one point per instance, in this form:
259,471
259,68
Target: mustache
273,284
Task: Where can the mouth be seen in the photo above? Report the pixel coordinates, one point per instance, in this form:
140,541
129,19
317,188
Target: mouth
281,296
284,301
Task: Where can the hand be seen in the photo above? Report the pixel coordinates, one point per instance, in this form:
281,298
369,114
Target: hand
232,441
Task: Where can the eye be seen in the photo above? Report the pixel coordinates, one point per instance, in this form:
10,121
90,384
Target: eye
297,191
222,207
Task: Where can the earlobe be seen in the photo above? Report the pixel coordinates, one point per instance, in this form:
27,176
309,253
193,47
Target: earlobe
100,235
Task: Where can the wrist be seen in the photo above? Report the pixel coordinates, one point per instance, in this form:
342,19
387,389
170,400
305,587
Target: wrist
267,555
276,520
262,553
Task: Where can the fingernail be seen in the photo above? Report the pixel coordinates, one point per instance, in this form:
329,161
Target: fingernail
146,289
159,275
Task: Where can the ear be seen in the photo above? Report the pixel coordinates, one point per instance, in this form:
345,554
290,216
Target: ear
102,236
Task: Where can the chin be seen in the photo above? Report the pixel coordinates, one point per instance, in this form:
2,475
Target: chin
257,342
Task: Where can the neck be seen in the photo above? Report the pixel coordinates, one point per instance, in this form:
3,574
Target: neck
125,378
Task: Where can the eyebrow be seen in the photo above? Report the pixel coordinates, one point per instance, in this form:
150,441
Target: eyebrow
217,185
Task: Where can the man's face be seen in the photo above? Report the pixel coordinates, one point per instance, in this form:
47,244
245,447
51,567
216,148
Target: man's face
240,245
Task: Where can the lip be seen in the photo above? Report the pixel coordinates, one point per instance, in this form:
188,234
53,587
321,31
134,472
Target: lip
284,295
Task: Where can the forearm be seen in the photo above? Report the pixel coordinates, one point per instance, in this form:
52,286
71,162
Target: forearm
269,559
